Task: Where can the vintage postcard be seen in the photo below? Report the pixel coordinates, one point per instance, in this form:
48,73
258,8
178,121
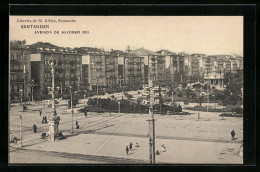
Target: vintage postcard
126,90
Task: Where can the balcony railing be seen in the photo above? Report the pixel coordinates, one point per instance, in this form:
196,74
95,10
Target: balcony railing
16,70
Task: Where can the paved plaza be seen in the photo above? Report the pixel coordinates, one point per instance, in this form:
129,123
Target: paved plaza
102,137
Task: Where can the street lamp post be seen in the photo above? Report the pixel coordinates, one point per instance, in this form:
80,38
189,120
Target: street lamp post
53,119
96,79
84,100
32,85
21,96
172,95
71,105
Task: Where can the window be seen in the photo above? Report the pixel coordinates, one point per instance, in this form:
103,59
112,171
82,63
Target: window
18,57
12,57
11,66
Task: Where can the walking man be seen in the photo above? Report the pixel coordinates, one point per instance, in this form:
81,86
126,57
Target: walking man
233,135
45,120
127,150
34,128
40,111
131,146
85,113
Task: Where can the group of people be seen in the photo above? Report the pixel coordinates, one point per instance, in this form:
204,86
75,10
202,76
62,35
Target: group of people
163,149
44,120
130,148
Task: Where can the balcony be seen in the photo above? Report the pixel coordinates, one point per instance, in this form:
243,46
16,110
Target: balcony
15,61
16,70
17,81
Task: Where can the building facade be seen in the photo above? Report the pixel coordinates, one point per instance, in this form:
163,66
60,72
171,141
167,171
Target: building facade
20,71
68,71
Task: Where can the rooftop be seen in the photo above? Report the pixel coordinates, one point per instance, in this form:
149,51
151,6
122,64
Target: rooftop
142,52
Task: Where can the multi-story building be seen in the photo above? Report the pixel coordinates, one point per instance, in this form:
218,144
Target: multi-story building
227,66
177,65
156,69
174,64
240,62
111,67
67,71
20,70
209,64
130,68
100,68
146,54
234,65
195,74
88,66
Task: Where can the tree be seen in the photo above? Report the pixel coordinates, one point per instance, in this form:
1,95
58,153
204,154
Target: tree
233,88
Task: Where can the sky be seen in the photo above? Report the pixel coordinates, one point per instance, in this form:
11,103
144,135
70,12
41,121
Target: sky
191,34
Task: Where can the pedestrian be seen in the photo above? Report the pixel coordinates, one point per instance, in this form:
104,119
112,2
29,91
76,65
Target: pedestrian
127,150
43,119
163,148
131,146
85,113
40,111
137,145
34,128
76,123
233,135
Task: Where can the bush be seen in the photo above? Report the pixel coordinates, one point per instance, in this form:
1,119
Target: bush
238,110
75,101
179,95
231,115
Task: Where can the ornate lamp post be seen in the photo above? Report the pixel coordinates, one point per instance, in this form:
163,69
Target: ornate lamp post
53,118
71,105
32,85
84,100
21,96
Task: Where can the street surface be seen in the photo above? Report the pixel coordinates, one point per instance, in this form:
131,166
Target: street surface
103,137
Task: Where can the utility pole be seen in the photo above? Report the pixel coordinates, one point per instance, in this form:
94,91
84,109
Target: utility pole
21,96
84,100
118,96
97,90
207,97
151,132
172,95
21,131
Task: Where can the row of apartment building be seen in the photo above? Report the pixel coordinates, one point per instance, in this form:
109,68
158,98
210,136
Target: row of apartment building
94,66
